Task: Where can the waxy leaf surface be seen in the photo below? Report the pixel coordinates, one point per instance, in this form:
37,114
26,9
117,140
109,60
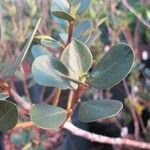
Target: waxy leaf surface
48,116
92,110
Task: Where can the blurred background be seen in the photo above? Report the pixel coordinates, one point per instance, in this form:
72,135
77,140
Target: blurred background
128,21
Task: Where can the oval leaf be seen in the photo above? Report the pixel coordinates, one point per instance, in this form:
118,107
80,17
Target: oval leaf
38,50
44,70
92,110
84,5
63,15
8,115
48,41
48,116
113,67
77,57
63,36
60,5
69,79
51,43
81,29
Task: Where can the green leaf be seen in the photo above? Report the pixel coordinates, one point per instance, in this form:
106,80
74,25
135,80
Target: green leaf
38,50
74,10
81,29
113,67
51,43
63,15
84,5
77,57
8,115
48,41
69,79
44,70
48,116
92,110
94,35
64,37
60,5
8,72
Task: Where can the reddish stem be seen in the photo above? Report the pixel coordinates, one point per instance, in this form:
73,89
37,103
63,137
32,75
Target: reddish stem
70,33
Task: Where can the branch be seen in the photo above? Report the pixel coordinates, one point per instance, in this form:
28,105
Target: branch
104,139
71,25
94,137
24,125
133,110
25,84
20,100
57,96
70,99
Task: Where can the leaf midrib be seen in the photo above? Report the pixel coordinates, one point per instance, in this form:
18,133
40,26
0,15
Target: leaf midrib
49,115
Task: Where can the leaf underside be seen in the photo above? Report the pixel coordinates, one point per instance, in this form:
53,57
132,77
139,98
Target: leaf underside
44,71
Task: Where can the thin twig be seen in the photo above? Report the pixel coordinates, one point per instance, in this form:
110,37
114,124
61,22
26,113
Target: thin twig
24,125
50,97
57,96
25,84
20,100
70,32
133,111
70,99
42,94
